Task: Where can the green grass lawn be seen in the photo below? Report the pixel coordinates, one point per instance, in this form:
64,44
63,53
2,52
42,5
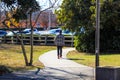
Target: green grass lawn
89,60
12,57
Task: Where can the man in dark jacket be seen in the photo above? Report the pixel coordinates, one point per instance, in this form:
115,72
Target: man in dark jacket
59,42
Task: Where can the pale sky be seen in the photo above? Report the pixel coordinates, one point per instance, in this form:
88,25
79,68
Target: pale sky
45,3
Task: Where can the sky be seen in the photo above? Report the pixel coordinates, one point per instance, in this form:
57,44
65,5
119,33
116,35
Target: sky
45,3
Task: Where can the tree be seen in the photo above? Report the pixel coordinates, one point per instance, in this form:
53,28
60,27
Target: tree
110,25
17,10
77,14
44,19
74,14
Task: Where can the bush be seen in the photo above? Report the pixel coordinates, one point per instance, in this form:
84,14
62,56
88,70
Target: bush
4,70
109,41
85,42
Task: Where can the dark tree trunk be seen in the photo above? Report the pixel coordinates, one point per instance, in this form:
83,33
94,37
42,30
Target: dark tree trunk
31,41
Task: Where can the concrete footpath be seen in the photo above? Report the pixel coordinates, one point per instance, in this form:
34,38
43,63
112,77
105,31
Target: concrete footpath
55,69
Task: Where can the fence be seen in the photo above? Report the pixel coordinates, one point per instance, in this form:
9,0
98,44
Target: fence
37,40
0,39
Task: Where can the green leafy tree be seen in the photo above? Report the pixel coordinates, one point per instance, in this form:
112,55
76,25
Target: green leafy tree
77,14
74,14
110,25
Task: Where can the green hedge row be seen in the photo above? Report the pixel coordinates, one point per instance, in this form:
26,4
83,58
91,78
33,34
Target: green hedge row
109,41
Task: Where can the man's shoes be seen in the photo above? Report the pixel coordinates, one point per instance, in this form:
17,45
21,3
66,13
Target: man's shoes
58,57
61,56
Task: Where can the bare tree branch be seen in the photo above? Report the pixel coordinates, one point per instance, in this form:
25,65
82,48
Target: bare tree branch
43,11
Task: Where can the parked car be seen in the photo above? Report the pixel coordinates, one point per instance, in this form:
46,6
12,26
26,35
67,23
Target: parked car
28,31
54,31
2,33
50,32
10,33
43,32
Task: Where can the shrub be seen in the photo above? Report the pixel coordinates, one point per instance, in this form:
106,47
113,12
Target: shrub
85,42
4,70
109,41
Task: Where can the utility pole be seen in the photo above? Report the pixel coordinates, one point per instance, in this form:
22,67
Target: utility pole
97,36
97,33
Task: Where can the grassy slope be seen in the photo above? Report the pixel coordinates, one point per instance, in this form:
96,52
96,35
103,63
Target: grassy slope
89,60
12,57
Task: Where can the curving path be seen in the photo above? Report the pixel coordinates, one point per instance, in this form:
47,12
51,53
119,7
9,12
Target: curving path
55,69
64,69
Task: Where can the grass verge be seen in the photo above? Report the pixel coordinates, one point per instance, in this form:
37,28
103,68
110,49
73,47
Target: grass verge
11,56
89,60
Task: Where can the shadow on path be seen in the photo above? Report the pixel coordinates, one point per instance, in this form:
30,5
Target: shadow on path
55,69
49,73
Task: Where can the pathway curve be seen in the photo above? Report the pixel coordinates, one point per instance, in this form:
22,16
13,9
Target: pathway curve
55,69
64,69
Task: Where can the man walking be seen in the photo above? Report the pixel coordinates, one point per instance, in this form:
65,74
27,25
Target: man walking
59,42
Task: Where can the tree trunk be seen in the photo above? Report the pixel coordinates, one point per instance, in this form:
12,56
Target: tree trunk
23,49
31,41
24,53
22,44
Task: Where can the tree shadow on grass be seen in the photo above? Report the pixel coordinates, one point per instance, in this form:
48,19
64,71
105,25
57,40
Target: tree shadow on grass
75,59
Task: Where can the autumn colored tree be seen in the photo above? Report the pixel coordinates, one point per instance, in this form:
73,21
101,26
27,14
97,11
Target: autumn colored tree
17,10
44,21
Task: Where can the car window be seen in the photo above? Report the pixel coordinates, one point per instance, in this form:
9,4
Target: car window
57,30
2,32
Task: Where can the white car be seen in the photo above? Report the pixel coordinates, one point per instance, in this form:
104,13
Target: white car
28,31
50,32
10,33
